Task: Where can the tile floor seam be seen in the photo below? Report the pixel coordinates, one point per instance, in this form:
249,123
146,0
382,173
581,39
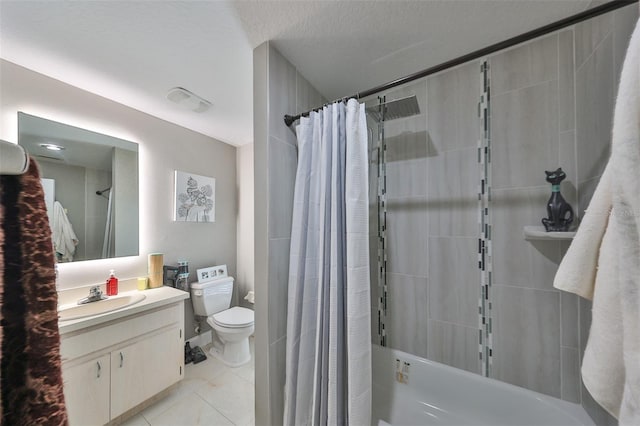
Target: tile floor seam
209,404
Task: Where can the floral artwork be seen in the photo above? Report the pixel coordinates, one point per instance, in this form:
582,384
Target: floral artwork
195,198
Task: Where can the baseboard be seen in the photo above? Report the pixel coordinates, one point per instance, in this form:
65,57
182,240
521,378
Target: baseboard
201,340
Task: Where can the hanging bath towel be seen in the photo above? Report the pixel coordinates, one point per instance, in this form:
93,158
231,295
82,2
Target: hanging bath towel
603,262
32,387
64,238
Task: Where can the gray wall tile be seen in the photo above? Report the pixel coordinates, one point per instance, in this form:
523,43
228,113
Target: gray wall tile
525,65
441,113
570,367
454,288
589,34
406,146
282,95
518,262
525,135
407,179
624,21
566,73
407,236
569,320
585,323
585,192
567,160
526,341
261,230
307,97
278,287
452,98
277,356
453,193
594,110
467,99
276,84
454,345
283,161
407,314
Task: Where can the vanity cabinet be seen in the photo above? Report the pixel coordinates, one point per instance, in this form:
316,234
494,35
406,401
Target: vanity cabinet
110,368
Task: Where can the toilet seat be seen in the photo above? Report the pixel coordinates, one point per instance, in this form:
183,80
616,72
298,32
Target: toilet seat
235,317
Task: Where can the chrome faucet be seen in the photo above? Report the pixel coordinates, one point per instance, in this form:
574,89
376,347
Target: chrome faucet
95,295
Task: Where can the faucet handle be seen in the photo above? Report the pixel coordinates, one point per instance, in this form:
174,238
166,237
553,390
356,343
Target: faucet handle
95,291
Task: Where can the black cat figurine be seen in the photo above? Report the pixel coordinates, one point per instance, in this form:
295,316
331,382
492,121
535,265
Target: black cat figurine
559,211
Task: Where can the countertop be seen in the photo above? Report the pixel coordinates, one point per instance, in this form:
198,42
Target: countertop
155,298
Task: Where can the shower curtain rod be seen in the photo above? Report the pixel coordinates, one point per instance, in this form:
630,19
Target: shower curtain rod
530,35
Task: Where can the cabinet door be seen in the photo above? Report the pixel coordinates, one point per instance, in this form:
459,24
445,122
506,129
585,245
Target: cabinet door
144,368
164,361
86,391
127,376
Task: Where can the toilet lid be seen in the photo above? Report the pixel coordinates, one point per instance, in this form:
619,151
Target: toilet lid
234,317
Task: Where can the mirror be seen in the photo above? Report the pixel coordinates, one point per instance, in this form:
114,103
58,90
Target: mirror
91,188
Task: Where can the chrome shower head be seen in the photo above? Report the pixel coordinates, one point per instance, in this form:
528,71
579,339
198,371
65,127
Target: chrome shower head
399,108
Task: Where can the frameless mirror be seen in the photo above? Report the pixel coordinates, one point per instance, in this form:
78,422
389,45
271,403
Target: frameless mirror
90,182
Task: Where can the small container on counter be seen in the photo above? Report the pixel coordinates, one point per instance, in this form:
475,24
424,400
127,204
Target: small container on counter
112,284
143,283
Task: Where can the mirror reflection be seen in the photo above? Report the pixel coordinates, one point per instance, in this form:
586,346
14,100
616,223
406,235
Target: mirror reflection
90,182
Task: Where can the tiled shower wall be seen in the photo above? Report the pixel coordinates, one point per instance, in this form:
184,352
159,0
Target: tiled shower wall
278,89
552,101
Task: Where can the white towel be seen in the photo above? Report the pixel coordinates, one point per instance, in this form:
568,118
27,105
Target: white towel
64,239
13,159
603,262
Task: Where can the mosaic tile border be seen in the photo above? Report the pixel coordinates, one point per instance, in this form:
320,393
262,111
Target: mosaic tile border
485,340
382,230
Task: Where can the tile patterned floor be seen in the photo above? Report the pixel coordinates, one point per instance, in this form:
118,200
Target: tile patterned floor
210,394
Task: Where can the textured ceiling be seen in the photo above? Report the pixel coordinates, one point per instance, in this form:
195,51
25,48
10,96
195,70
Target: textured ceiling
343,47
133,52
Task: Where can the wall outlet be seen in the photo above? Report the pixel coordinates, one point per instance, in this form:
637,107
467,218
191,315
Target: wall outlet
211,273
402,371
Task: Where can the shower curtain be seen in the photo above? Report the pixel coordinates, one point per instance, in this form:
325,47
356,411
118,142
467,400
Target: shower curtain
328,352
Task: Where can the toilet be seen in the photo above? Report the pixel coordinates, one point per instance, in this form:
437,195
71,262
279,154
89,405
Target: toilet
232,326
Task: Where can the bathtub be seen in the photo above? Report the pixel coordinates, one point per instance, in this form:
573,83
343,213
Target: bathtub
436,394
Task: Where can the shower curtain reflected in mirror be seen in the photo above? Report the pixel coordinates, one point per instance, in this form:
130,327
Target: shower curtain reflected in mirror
107,246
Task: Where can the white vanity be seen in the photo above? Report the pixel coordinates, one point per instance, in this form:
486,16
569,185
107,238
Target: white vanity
115,361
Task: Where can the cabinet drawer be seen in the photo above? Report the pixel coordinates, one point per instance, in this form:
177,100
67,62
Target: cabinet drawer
86,341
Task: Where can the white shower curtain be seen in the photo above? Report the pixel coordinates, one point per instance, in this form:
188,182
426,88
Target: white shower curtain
328,357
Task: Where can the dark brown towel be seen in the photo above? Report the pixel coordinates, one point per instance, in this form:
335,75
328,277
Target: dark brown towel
32,387
1,281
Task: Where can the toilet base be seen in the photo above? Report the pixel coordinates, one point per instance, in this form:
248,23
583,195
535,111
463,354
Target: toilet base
232,354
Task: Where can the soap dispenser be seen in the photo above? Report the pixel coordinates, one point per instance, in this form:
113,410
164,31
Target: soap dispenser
112,284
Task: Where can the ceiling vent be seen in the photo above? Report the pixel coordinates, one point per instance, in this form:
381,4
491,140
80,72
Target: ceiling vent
188,100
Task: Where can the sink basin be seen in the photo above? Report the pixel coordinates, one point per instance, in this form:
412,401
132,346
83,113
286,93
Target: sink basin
113,303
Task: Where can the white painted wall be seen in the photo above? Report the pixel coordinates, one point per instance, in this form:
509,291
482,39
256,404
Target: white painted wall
163,148
245,277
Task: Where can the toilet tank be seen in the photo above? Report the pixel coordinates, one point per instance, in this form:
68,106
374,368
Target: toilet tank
211,297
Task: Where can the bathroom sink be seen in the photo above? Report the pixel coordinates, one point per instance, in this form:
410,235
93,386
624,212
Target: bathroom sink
71,311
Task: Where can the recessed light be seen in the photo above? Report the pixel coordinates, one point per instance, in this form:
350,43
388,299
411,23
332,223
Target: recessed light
52,146
188,100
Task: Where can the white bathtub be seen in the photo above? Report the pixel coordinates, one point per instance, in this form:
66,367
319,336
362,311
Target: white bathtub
437,394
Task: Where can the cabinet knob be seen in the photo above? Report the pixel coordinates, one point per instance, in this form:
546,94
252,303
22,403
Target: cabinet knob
99,368
121,360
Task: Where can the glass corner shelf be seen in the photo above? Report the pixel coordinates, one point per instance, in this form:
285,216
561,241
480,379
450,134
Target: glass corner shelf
539,233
